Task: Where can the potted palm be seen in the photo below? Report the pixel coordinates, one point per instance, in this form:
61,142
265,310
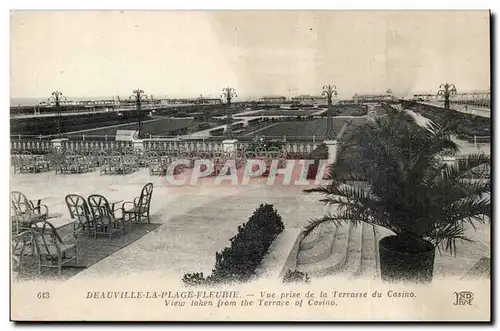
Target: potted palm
390,173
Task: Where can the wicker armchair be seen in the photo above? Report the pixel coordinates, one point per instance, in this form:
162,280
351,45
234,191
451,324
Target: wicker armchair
52,250
139,209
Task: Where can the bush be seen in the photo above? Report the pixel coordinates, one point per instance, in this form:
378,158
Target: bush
238,262
296,277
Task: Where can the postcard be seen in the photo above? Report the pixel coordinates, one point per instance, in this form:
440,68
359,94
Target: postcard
250,166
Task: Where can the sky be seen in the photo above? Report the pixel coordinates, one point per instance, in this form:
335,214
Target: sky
90,54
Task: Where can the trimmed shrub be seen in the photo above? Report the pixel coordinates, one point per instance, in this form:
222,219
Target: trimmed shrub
238,262
296,277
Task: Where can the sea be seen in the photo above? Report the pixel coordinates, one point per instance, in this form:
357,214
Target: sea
35,101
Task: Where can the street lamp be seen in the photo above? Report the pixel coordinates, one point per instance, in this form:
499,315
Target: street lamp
228,93
445,90
56,99
139,96
329,91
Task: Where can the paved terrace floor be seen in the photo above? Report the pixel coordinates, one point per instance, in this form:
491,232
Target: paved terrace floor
196,221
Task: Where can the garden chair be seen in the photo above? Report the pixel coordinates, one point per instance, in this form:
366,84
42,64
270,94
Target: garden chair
104,215
52,250
60,163
142,160
100,157
106,165
21,247
80,214
154,164
79,164
117,163
41,163
129,164
26,162
70,163
88,160
19,224
25,208
15,160
274,153
139,209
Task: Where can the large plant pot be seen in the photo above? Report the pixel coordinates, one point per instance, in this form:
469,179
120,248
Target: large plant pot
403,261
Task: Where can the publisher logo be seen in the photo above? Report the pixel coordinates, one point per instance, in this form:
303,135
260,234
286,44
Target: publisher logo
463,298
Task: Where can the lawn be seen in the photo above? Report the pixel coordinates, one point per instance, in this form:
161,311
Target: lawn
347,110
163,126
303,129
285,112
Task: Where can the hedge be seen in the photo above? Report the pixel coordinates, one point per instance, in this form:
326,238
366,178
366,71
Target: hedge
470,125
239,261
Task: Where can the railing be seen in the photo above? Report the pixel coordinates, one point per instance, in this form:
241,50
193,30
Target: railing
193,137
459,106
481,140
189,146
86,145
38,146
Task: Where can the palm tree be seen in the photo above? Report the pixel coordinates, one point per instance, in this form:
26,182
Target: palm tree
390,172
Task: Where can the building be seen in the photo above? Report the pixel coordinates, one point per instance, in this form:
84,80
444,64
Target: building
481,99
346,102
273,100
424,97
470,96
192,101
373,98
209,101
308,100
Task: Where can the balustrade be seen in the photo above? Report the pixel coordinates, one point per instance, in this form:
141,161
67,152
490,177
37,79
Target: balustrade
78,156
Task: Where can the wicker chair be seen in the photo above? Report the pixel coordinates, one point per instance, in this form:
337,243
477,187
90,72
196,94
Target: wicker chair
79,212
104,216
52,250
139,209
21,247
30,212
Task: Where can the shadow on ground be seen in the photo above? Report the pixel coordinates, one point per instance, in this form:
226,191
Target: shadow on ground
91,251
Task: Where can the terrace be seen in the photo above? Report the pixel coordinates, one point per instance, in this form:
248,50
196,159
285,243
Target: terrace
187,226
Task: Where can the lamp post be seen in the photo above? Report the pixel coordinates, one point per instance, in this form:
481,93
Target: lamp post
228,93
56,99
329,91
445,90
139,96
